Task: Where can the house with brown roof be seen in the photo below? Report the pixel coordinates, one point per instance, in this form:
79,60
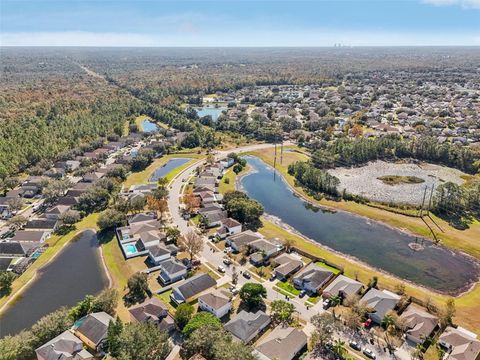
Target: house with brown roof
342,286
285,266
459,344
215,302
312,278
154,311
419,323
283,343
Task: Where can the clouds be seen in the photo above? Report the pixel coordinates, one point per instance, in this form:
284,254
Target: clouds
466,4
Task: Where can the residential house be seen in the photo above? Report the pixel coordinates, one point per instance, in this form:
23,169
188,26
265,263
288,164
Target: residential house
16,249
5,212
262,250
92,330
312,278
214,218
171,271
381,301
158,253
247,325
42,224
65,346
283,343
155,311
215,302
242,240
342,286
192,288
419,323
5,263
285,266
459,344
30,236
92,177
56,212
228,227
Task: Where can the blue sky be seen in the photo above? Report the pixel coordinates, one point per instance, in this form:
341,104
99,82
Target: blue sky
239,23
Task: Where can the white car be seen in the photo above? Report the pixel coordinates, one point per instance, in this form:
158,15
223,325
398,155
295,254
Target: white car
369,353
221,269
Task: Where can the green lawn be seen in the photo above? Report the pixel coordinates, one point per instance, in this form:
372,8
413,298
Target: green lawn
289,288
328,267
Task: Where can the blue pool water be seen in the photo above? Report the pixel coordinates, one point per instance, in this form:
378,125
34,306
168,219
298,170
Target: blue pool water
131,249
167,167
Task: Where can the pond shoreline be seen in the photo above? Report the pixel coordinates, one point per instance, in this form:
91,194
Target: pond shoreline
279,222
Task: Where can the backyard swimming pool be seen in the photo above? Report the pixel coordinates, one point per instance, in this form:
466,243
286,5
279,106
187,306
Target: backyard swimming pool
130,249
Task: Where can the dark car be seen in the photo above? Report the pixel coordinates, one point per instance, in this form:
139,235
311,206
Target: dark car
354,345
302,293
247,275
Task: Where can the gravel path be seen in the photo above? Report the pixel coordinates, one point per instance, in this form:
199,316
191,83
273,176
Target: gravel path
363,180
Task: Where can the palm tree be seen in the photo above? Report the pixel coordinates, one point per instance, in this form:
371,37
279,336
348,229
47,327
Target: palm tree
334,301
388,321
339,348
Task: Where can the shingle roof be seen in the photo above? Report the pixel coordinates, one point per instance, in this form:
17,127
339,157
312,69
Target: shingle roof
64,346
172,266
380,301
344,285
94,326
41,224
315,275
420,323
463,346
246,324
215,299
283,343
196,284
29,235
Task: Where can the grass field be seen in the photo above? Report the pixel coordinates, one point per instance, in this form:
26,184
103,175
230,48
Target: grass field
328,267
231,176
286,286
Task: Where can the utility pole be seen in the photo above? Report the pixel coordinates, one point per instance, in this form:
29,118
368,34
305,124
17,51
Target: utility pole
423,201
281,152
275,161
430,200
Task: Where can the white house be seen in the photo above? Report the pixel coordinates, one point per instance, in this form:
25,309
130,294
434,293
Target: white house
216,303
171,271
158,253
228,227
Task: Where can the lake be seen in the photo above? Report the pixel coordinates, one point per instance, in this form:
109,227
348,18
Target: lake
75,272
148,126
170,165
370,242
213,111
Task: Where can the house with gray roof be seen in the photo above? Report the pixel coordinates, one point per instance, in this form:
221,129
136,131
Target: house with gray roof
92,329
171,271
283,343
247,325
381,302
241,240
215,302
342,286
192,288
285,266
65,346
312,278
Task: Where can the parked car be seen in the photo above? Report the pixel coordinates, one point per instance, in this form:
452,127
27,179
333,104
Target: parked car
326,303
369,353
273,277
367,323
227,261
247,275
234,290
227,250
354,345
196,262
221,269
302,293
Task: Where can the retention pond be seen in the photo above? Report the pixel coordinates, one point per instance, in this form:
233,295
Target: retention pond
74,273
371,242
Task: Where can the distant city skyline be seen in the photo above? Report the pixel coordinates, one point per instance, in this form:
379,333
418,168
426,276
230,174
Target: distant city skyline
240,23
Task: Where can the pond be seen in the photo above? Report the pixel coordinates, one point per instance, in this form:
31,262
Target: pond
167,167
75,272
213,111
148,126
371,242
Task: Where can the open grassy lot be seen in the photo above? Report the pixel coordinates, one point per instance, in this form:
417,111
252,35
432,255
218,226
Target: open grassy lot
231,176
142,177
286,286
464,240
328,267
